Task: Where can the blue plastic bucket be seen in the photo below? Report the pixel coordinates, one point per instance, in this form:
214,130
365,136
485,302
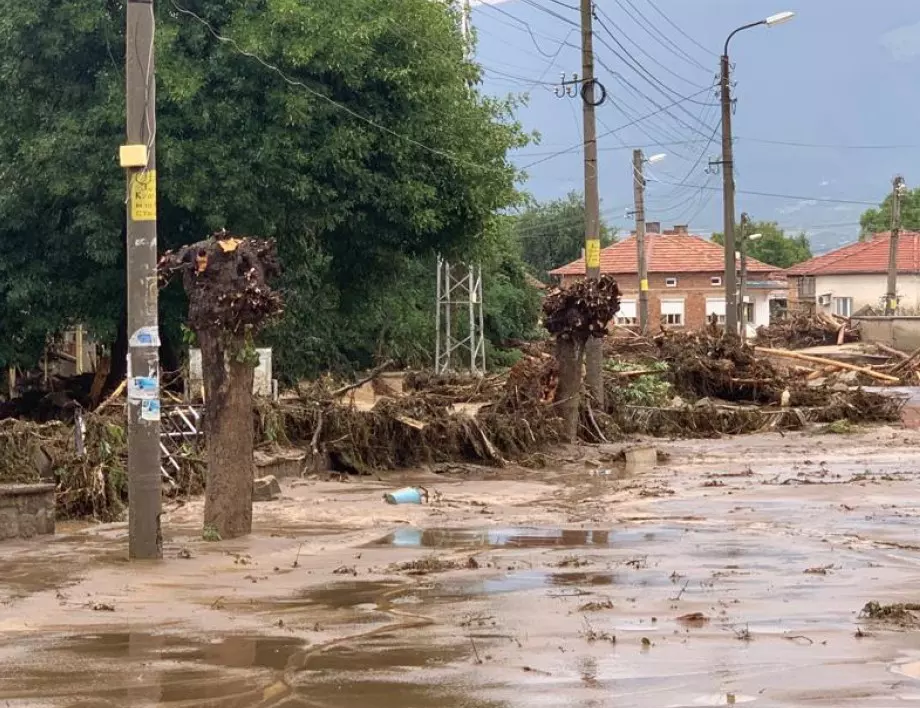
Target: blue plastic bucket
407,495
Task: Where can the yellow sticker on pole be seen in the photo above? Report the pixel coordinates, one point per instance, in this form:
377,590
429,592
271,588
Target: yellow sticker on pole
144,196
593,253
643,284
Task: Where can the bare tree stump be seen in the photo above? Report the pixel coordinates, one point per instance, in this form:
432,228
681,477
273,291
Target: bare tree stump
229,302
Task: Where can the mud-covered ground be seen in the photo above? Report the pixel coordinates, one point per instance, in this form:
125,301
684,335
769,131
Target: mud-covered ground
734,572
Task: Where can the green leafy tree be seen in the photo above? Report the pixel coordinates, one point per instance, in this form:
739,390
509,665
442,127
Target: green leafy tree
876,220
354,141
553,233
773,247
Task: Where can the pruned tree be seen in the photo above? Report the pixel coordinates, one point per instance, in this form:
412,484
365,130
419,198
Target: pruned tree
230,301
574,314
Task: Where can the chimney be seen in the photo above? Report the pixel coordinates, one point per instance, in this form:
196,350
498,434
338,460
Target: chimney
653,227
681,228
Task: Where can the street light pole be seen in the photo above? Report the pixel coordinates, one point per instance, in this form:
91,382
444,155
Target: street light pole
641,256
728,170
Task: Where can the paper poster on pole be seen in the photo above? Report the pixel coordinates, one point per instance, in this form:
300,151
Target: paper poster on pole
150,410
145,337
144,196
143,388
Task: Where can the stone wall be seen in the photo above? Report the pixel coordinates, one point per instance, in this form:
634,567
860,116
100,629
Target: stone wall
26,510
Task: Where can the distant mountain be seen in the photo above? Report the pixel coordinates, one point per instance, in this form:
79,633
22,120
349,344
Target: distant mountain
830,78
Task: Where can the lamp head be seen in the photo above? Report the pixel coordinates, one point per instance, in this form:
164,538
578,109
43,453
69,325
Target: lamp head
778,18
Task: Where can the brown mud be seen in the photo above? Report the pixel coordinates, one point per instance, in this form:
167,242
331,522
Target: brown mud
739,571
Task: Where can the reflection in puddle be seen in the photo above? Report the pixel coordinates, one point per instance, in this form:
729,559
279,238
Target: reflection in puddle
524,537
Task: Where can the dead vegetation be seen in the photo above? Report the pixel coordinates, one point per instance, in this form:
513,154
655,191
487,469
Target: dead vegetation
802,330
904,614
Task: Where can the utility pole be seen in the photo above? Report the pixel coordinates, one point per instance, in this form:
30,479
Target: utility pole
594,351
891,300
728,196
742,249
639,194
138,159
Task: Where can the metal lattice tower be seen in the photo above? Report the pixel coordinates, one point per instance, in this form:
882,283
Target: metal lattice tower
459,344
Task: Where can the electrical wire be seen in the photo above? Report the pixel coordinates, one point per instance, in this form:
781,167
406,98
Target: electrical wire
651,29
630,61
642,50
677,27
775,195
615,130
551,13
340,106
530,31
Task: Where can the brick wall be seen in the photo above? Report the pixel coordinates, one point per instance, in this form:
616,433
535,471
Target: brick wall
692,288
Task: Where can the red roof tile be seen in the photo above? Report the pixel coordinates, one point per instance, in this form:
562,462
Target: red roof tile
869,256
665,253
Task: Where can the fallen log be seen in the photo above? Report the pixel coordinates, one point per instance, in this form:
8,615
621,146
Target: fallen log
828,362
892,351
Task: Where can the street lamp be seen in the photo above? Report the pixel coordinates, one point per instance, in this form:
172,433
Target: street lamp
728,177
639,161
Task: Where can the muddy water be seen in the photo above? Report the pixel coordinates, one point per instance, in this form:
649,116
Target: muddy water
734,576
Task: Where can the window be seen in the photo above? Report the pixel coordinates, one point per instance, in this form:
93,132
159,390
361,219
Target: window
806,286
627,314
672,313
715,307
715,280
843,306
670,282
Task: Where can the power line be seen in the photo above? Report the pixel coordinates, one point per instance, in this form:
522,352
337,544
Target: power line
677,27
657,35
340,106
577,146
634,63
530,31
829,146
775,195
551,13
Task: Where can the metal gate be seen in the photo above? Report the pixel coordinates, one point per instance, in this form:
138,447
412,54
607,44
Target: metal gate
181,437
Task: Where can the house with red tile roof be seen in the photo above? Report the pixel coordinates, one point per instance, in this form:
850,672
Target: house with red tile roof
854,277
684,279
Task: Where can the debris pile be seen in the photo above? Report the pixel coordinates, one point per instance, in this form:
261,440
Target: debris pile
581,310
725,386
802,330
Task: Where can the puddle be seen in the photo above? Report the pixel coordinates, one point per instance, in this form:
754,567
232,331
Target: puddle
911,670
526,537
349,594
234,651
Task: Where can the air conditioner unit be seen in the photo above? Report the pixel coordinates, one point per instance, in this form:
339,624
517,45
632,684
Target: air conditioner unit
825,299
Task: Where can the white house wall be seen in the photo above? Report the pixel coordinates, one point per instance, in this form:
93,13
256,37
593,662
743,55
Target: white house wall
868,290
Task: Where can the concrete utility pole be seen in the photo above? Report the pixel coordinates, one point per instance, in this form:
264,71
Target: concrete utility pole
594,352
891,298
742,248
728,196
639,194
728,168
138,158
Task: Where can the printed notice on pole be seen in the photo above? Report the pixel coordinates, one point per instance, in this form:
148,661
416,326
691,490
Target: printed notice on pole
593,253
144,196
142,388
150,410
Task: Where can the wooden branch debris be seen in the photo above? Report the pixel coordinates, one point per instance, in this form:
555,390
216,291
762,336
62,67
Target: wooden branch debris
872,373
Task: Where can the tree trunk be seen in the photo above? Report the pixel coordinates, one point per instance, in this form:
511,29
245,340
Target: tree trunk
594,370
570,354
229,429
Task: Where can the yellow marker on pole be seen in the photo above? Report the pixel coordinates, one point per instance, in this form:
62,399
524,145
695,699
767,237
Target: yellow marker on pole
643,285
144,196
593,254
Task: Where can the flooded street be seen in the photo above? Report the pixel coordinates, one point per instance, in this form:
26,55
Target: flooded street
735,572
